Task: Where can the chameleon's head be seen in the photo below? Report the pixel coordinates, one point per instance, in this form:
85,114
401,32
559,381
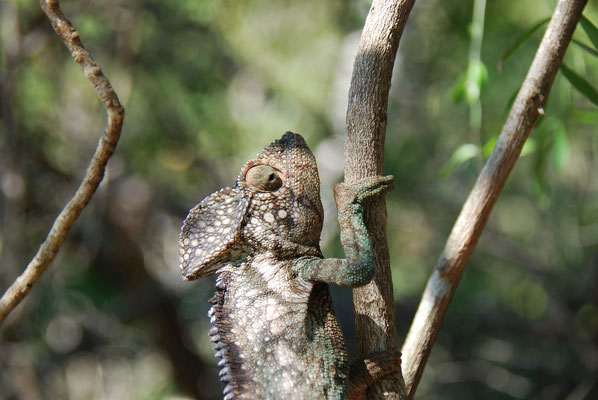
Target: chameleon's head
274,206
285,202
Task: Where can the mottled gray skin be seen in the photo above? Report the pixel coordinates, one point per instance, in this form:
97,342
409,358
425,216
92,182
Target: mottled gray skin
274,326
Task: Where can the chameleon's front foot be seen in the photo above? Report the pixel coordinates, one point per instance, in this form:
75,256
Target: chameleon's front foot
363,191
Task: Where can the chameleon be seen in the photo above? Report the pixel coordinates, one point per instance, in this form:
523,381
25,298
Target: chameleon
273,324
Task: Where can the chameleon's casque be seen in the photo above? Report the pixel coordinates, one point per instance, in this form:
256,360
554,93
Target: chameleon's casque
274,327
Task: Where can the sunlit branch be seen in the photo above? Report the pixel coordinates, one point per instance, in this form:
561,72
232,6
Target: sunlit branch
526,110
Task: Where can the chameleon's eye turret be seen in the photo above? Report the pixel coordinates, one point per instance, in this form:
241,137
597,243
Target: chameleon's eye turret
263,178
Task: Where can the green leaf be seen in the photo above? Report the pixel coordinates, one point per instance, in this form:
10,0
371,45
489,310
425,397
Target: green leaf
586,47
552,141
476,78
560,148
528,147
463,153
579,83
470,83
590,30
458,89
589,117
522,39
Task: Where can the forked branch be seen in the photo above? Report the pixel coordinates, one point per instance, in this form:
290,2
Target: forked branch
95,171
526,109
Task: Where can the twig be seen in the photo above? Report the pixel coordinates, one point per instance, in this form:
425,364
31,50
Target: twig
526,109
95,172
364,157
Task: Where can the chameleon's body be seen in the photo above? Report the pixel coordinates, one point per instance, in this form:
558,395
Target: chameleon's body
274,326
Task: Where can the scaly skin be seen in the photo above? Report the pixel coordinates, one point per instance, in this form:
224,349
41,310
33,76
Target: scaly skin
274,326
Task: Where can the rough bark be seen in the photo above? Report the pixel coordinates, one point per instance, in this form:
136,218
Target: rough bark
364,157
526,110
95,172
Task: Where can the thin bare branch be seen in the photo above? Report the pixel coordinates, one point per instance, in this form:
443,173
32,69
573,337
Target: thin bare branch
364,157
95,172
461,242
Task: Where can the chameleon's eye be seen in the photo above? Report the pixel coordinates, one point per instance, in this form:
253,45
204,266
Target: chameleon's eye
264,178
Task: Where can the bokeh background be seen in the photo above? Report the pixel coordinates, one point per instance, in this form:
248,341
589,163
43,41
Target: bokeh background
207,84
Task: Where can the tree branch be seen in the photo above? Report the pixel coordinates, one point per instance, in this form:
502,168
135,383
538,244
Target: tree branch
526,109
364,157
95,172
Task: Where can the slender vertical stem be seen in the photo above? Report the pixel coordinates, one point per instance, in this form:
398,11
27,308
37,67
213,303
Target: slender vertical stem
526,109
474,68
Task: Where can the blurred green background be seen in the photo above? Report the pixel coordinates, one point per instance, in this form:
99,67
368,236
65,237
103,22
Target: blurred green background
207,84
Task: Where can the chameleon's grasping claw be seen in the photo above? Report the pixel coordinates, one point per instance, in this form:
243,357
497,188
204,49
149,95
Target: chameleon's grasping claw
363,191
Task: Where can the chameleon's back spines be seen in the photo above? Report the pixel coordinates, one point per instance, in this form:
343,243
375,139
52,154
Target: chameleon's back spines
220,335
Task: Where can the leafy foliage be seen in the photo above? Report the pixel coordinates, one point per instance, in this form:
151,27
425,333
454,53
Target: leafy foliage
580,84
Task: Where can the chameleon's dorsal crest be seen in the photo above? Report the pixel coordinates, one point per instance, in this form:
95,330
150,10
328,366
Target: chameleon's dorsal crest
211,233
